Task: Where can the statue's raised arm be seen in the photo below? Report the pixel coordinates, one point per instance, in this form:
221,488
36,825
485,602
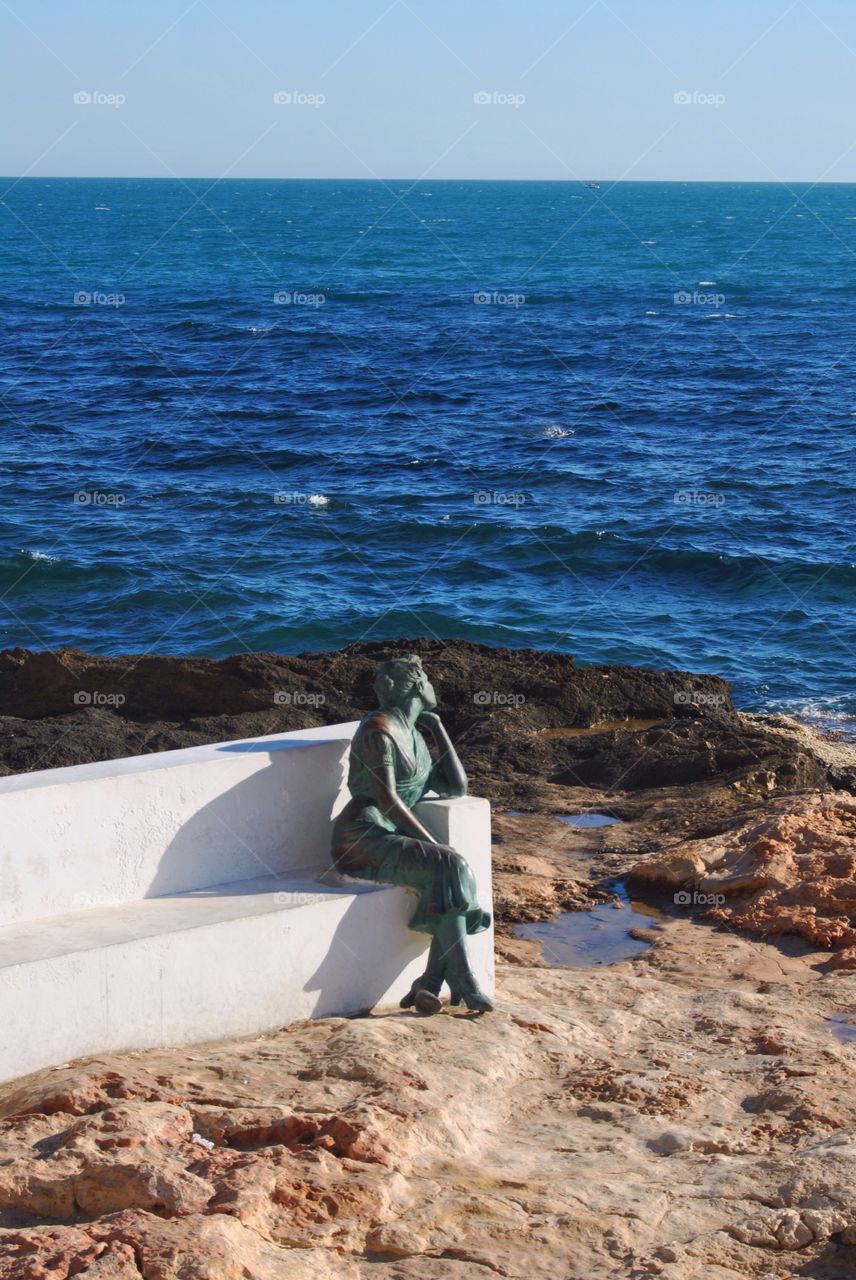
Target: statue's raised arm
379,837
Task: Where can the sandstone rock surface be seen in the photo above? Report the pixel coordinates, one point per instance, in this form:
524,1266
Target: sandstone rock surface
791,873
667,1116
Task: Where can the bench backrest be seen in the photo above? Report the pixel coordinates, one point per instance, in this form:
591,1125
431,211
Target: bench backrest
118,831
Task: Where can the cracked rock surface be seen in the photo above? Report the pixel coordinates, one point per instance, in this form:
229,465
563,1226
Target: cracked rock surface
684,1114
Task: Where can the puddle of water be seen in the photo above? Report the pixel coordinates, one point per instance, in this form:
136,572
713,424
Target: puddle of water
602,726
583,939
513,813
844,1027
586,820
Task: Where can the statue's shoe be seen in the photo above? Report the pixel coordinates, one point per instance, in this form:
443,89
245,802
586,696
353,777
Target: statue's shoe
472,996
422,996
427,1002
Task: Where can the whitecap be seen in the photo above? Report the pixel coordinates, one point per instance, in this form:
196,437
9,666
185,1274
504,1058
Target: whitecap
652,313
555,431
318,500
649,241
39,555
704,282
823,714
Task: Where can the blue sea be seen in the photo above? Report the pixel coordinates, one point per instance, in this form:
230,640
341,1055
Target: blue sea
289,415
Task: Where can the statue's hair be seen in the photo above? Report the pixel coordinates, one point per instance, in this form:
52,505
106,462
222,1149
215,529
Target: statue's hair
403,665
397,671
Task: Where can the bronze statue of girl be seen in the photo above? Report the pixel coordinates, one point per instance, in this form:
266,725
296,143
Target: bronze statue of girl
379,837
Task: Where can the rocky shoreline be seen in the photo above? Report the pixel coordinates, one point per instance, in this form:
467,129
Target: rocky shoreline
522,716
687,1113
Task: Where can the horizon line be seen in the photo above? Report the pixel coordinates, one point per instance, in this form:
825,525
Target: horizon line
612,182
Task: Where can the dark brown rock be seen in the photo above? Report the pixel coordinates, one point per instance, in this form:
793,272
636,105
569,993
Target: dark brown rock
506,707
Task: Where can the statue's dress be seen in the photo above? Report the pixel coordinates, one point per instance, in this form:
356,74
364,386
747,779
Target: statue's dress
367,844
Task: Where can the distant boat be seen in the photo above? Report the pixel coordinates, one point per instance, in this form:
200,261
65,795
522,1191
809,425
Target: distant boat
593,186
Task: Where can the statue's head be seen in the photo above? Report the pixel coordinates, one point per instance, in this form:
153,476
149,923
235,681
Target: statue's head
401,679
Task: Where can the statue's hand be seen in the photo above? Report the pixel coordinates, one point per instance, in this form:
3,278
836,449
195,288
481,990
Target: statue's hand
429,720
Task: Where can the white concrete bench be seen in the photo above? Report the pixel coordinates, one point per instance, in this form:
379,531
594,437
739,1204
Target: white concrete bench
177,897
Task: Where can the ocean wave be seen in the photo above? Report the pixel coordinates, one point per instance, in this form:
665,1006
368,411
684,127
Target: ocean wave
831,715
645,554
39,556
748,573
44,566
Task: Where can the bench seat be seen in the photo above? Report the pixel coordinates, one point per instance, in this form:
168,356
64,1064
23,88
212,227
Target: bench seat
225,961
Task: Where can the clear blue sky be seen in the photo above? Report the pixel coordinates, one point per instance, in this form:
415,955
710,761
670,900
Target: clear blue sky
772,86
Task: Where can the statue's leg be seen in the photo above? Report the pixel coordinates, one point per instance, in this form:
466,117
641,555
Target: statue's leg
451,932
425,992
447,910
